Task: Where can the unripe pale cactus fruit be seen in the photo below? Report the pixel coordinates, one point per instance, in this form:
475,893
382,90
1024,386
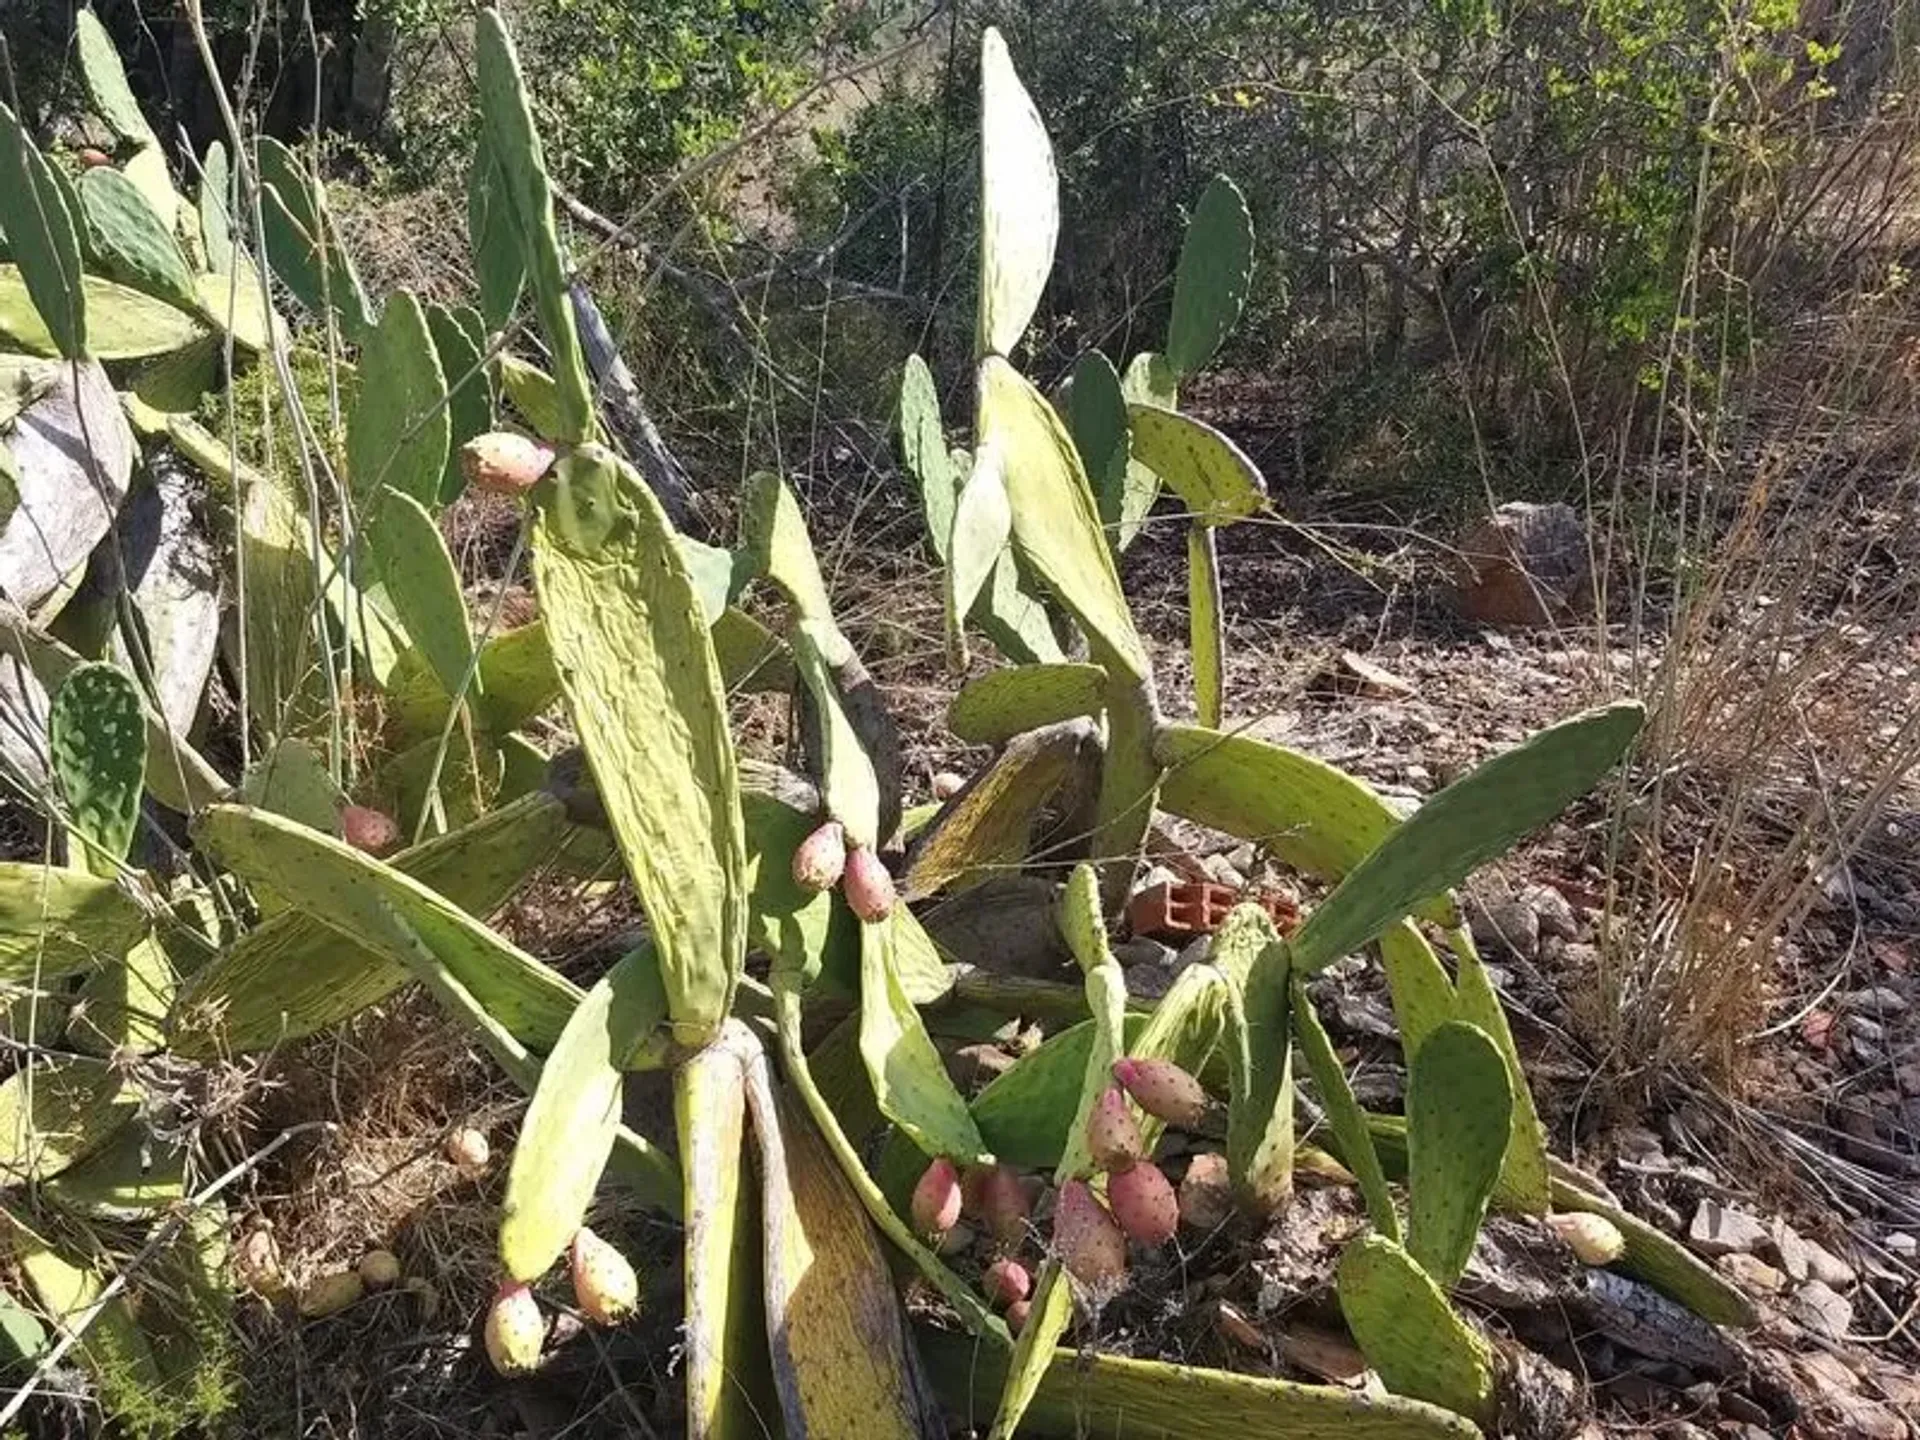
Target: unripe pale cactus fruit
867,885
947,784
330,1294
1594,1239
1007,1282
467,1148
604,1283
515,1330
936,1199
1206,1193
1086,1239
379,1268
1112,1137
998,1196
1017,1315
369,830
821,858
502,463
1144,1204
1164,1091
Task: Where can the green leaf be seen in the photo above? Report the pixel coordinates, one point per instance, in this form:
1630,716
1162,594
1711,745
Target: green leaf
982,524
397,433
411,557
638,668
1207,625
1019,202
1001,704
1202,466
106,79
1097,415
1055,525
569,1129
1410,1334
45,248
923,449
56,922
1471,821
216,221
97,740
123,324
1344,1114
133,245
1459,1108
459,341
1215,272
910,1081
514,145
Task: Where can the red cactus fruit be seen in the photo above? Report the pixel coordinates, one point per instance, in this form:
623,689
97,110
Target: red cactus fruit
1089,1244
821,858
1206,1193
365,828
1007,1282
502,463
1112,1137
1164,1091
936,1199
998,1196
1017,1315
1144,1204
867,885
515,1330
92,159
603,1281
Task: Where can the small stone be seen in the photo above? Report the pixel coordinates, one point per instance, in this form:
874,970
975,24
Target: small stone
1818,1307
972,1066
1792,1252
1554,911
1503,924
1221,871
1718,1230
1145,950
1829,1268
1147,982
1750,1272
1901,1244
1881,1000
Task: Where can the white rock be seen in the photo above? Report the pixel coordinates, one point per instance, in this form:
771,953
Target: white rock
1718,1230
1821,1310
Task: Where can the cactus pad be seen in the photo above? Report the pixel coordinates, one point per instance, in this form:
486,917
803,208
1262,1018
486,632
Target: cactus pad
1410,1334
1216,269
1459,1111
97,738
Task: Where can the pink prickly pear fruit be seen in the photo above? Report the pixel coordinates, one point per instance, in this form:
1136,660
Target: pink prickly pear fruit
822,856
1007,1282
92,159
1164,1091
867,885
998,1195
603,1281
515,1330
1088,1242
936,1199
1144,1204
1206,1193
365,828
947,784
1017,1315
502,463
1112,1137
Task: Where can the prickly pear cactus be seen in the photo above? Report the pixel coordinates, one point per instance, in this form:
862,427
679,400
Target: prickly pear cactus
1216,268
1409,1333
1459,1110
97,737
39,226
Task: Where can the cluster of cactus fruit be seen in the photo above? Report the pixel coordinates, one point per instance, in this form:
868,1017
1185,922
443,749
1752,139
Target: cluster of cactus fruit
314,892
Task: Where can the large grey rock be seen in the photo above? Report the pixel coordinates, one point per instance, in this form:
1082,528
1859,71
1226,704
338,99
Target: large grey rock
1525,564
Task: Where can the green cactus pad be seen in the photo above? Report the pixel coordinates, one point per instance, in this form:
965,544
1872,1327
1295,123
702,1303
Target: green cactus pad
568,1131
106,79
1216,269
96,738
923,449
55,1113
216,220
71,1287
1459,1110
397,433
635,660
1206,625
56,922
1148,380
513,142
1524,1173
122,324
982,525
909,1079
133,1175
1004,703
1260,1122
1014,619
234,304
1344,1114
1097,416
424,587
459,341
133,245
1473,820
494,239
1410,1334
123,1008
1055,525
45,246
1019,202
1199,464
